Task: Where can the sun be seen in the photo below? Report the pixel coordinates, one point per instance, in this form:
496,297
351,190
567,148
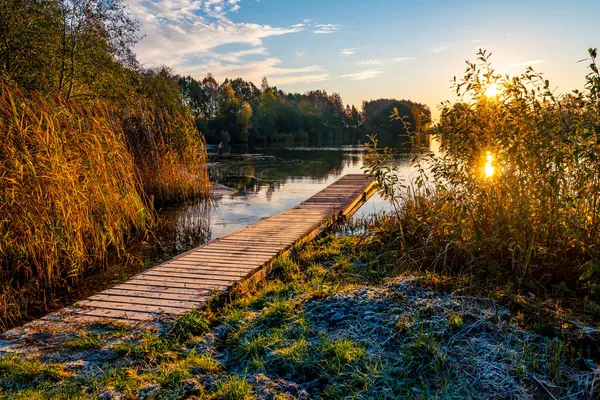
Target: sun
492,91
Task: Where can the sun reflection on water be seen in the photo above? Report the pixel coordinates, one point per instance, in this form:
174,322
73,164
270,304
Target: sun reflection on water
489,169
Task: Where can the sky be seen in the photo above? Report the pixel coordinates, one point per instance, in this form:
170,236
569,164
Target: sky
367,49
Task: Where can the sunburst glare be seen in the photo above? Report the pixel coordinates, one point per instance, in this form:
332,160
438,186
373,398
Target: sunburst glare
489,168
492,91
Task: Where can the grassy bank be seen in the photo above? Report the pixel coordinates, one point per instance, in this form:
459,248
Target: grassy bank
79,179
336,320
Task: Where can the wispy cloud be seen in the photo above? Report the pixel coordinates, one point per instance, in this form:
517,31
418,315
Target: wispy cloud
189,35
349,52
527,63
438,49
255,70
323,29
371,61
363,75
475,40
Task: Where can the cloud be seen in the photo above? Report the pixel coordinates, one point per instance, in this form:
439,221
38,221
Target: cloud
255,70
439,49
371,61
348,52
323,29
527,63
363,75
475,40
189,35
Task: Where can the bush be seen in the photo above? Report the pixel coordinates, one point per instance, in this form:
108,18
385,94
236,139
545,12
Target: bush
515,190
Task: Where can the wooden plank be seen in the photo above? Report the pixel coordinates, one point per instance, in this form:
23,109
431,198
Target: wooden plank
229,248
250,254
202,276
235,272
175,284
161,289
75,319
154,295
244,246
174,278
110,305
251,240
226,261
207,262
158,302
118,314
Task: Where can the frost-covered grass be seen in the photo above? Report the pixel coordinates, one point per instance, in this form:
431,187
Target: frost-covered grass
329,323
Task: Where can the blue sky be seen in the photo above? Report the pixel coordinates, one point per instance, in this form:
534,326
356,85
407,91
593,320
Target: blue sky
367,49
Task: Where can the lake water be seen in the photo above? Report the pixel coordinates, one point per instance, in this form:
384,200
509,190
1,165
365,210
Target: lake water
255,183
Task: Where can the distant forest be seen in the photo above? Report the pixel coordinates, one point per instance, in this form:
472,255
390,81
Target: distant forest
237,111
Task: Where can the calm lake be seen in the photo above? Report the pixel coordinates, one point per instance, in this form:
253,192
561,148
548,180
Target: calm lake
250,183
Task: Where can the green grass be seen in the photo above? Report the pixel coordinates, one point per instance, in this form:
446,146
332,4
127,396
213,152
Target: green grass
328,329
86,341
17,374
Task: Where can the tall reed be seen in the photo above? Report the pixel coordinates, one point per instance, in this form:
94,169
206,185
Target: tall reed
168,152
76,183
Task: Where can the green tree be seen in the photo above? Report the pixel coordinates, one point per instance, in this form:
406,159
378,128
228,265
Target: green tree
29,43
94,33
161,86
234,115
76,47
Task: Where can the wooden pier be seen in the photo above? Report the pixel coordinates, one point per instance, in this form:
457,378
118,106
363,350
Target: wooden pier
188,280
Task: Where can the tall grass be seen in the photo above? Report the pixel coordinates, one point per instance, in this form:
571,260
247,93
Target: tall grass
75,186
167,151
536,220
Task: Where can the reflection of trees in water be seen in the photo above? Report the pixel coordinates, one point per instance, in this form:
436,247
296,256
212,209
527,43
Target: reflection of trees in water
250,170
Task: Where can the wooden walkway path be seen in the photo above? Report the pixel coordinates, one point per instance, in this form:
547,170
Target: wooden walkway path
188,280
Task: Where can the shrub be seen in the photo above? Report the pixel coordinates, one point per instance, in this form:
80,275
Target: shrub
515,190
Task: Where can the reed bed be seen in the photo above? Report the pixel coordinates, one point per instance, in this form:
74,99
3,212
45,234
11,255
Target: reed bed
167,151
75,186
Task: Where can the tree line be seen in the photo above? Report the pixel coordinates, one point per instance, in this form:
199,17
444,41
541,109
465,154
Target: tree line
83,49
238,111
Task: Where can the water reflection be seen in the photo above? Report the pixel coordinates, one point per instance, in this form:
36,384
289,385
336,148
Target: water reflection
184,227
257,182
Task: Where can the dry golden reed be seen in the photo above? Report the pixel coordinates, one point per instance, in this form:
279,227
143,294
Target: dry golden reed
168,152
73,183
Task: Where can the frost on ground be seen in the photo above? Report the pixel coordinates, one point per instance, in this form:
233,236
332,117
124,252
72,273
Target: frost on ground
398,340
469,343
